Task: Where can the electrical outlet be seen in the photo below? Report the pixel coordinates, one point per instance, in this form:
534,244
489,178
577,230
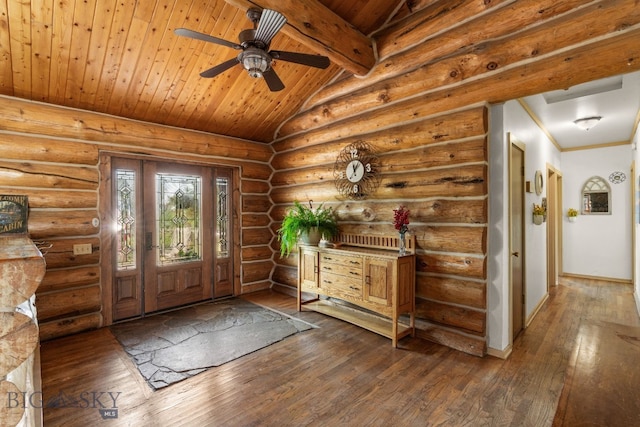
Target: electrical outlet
82,249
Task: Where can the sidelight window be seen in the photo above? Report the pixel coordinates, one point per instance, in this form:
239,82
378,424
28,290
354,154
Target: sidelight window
222,218
126,219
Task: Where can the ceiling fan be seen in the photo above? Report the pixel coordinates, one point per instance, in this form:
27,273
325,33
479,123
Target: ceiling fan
254,44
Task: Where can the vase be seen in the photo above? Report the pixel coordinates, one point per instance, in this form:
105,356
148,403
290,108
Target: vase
402,244
572,219
538,219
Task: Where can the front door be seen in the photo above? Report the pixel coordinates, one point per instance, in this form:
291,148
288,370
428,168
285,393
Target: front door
172,235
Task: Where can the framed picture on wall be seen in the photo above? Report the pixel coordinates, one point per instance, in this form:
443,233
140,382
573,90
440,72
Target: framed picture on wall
13,213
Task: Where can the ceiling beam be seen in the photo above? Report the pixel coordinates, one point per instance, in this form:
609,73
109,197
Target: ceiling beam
321,30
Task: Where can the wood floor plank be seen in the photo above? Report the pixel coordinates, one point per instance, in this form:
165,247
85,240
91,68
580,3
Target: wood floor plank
603,350
340,374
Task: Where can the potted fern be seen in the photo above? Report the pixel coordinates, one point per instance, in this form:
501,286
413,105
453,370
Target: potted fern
306,224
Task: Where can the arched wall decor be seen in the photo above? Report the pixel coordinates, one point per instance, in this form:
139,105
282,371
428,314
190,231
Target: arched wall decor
596,197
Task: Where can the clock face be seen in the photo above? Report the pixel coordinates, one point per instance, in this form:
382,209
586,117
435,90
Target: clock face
356,170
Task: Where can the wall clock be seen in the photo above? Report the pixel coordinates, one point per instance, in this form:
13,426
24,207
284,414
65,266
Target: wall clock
617,177
356,171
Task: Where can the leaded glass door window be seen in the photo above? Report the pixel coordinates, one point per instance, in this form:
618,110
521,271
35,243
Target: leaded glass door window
222,217
126,218
178,218
223,263
128,226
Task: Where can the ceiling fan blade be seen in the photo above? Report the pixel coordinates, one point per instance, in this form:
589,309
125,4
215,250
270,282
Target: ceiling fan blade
220,68
317,61
270,23
273,81
205,37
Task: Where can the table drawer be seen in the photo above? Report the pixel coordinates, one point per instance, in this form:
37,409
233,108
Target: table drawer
346,260
348,271
340,286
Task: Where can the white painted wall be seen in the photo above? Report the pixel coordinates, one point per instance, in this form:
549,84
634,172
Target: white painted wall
597,245
498,234
512,119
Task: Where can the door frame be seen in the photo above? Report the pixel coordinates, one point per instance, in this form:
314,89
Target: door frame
634,204
106,220
554,226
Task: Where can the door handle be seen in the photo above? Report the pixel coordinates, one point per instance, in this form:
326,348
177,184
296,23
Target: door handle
516,254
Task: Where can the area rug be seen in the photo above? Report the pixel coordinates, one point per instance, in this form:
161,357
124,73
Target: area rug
176,345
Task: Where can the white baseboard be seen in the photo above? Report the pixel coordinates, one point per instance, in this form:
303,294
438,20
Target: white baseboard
536,310
502,354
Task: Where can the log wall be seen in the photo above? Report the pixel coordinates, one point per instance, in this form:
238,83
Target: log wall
51,154
424,106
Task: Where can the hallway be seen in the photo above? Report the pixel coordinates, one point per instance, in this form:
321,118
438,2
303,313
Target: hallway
340,374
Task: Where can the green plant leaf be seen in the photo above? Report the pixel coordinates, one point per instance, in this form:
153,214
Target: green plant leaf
301,218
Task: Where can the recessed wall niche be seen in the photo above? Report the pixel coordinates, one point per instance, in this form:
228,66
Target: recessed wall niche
596,197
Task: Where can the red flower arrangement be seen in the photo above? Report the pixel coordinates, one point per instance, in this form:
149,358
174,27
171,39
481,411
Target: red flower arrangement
401,219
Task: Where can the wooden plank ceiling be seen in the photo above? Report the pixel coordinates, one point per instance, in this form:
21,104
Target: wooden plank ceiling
121,57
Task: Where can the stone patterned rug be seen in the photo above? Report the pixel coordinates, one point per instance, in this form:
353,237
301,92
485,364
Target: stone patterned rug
176,345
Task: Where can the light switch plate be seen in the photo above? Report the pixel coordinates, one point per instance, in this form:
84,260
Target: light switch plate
82,249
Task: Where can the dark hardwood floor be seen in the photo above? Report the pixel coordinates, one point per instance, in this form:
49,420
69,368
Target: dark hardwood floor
340,374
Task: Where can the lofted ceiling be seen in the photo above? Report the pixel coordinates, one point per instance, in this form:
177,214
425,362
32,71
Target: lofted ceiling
122,57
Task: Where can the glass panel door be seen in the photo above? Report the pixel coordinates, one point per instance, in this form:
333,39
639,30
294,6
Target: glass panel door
172,240
176,263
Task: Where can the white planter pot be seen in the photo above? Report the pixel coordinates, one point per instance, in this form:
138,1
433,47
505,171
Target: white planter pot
572,219
538,219
312,238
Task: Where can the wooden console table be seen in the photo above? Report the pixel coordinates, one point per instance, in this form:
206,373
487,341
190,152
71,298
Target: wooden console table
361,272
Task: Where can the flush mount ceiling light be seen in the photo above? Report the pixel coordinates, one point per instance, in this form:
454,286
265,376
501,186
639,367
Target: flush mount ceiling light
587,123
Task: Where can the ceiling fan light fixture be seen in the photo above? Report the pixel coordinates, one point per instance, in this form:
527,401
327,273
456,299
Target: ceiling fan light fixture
254,44
587,123
255,61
